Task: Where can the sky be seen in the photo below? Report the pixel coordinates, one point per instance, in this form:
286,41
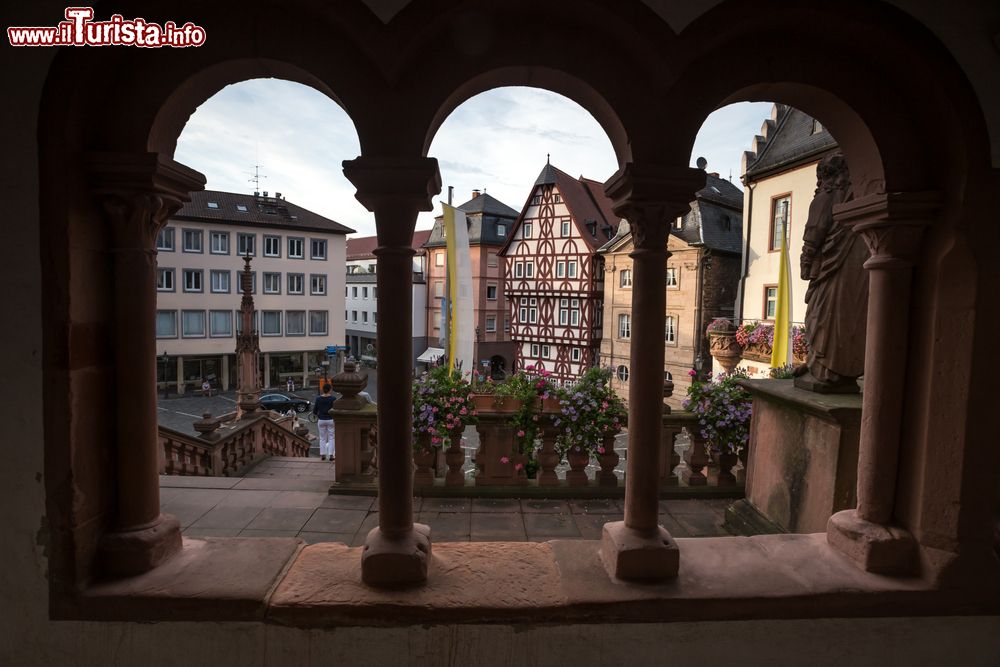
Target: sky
496,141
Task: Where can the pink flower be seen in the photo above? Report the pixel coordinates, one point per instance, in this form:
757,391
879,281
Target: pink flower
520,434
518,466
434,409
504,459
600,450
692,373
463,411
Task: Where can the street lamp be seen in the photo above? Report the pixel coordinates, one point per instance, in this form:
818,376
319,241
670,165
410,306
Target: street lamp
699,362
166,385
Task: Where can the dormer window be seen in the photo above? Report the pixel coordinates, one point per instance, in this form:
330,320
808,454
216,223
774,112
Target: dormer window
241,208
213,204
501,230
817,127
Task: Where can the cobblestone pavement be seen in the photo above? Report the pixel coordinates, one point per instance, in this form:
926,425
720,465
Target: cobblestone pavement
285,497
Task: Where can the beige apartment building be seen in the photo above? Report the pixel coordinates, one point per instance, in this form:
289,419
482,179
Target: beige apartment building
779,175
490,224
298,285
702,277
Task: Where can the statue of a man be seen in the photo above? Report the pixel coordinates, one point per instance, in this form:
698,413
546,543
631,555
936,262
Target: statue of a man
837,297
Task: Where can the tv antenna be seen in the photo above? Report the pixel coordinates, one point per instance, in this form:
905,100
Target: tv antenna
255,178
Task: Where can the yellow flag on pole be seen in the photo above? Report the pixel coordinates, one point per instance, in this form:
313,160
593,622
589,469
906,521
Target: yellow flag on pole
460,321
781,346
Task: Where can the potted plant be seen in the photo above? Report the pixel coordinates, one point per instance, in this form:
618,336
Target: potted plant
591,415
528,390
723,345
756,339
442,408
489,395
723,409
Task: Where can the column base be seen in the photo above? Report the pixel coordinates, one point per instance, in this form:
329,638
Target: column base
393,562
874,547
630,554
127,553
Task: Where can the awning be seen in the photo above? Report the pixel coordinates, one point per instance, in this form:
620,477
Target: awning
430,355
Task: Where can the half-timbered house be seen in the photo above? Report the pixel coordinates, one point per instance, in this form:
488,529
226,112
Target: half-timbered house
553,277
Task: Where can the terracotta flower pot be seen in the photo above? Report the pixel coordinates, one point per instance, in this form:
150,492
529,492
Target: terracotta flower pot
551,405
724,348
495,403
423,458
726,463
454,456
578,460
608,460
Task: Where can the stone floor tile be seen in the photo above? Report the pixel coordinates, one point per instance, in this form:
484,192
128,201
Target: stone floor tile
348,502
544,506
673,527
591,526
211,532
447,526
310,499
561,525
371,521
206,497
446,505
257,499
281,518
332,520
496,505
232,517
704,524
198,482
313,538
186,514
685,506
251,532
497,527
595,506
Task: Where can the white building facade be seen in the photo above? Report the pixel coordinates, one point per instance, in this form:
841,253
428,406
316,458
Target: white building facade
298,260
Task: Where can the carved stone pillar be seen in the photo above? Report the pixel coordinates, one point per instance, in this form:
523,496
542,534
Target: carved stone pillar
892,226
650,198
138,193
395,190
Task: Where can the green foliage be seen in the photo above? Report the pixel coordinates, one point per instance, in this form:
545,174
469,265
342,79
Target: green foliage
442,405
591,410
723,408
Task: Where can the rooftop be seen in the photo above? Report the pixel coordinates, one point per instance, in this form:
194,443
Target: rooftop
362,247
788,138
255,210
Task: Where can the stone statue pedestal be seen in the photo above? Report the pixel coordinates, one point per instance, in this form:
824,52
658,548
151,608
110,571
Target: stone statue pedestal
803,463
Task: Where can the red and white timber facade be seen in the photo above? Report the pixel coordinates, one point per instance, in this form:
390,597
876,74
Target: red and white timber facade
553,277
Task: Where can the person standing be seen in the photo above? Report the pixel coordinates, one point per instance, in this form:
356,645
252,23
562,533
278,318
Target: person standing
290,384
321,408
206,387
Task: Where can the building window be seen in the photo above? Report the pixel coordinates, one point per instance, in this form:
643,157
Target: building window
439,259
625,278
506,324
575,354
622,373
438,289
536,200
817,126
679,222
770,301
246,244
624,326
317,322
529,269
519,270
527,230
165,239
670,330
501,230
671,276
219,243
598,317
272,283
574,313
571,269
563,312
780,207
220,323
522,314
491,292
545,351
375,293
220,282
296,283
491,324
213,204
558,198
239,321
372,268
241,208
193,323
354,292
533,312
560,269
317,284
166,324
354,316
272,246
564,228
317,249
437,319
270,323
364,316
295,323
192,240
534,350
253,283
192,280
364,292
295,247
164,280
491,260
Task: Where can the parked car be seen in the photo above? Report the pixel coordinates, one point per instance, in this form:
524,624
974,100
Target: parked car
282,403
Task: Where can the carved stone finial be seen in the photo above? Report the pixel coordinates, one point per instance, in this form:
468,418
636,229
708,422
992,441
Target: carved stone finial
348,384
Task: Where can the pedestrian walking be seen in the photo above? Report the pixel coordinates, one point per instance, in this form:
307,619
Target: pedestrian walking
321,408
290,384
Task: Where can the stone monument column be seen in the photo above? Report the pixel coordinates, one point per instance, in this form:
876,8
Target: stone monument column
395,190
247,350
650,198
892,226
138,193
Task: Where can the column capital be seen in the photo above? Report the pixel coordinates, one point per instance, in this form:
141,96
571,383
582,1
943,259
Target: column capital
650,196
394,181
140,191
891,223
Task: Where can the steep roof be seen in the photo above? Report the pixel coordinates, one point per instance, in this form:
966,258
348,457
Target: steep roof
786,140
482,213
361,247
250,210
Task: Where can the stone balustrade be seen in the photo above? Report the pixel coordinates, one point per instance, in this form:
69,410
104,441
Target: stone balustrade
226,447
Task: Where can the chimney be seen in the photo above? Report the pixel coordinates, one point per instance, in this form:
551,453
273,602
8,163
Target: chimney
475,193
278,194
265,193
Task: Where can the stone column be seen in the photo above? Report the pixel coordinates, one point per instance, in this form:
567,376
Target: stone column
224,381
139,192
395,190
266,381
650,198
305,370
892,226
180,372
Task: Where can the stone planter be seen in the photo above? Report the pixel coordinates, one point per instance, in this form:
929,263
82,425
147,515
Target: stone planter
723,347
608,460
726,463
551,405
578,460
495,403
423,459
454,456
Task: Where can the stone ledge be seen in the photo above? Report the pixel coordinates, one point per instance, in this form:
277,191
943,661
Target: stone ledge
563,581
833,407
